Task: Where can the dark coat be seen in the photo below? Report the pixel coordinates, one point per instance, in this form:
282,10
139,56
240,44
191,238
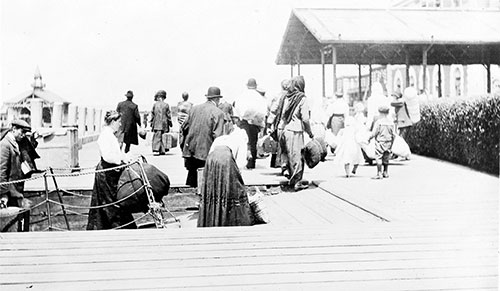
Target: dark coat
204,123
161,118
10,170
130,119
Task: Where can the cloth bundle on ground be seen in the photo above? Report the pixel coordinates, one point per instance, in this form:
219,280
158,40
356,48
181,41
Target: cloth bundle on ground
259,208
400,148
314,152
369,148
130,180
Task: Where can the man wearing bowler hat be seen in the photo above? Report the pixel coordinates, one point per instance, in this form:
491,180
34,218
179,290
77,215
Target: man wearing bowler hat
12,165
204,123
127,134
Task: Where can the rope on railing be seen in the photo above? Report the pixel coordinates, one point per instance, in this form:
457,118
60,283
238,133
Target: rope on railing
115,203
35,177
155,208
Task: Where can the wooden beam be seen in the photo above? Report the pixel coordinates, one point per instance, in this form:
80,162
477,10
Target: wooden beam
334,64
424,66
359,82
322,51
369,89
440,91
488,78
407,62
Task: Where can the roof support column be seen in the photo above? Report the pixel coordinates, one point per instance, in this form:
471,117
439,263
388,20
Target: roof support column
322,52
291,70
334,65
424,66
440,91
487,66
488,78
359,82
369,89
36,108
297,60
407,62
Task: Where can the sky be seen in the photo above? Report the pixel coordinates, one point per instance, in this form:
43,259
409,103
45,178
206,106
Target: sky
91,52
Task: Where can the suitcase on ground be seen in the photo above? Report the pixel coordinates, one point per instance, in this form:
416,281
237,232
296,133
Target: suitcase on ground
169,140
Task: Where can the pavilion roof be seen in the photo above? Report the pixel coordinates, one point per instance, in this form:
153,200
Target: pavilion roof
383,36
47,96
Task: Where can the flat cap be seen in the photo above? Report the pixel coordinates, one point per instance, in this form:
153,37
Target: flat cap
22,124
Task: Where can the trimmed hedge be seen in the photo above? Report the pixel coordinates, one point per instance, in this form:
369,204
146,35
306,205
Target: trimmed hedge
460,131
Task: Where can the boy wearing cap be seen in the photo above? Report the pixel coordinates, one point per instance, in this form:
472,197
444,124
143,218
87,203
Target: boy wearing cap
384,132
11,164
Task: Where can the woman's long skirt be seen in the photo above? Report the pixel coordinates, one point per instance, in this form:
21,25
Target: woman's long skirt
224,201
104,192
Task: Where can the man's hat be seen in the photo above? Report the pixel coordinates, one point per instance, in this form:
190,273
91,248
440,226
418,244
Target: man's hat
213,92
383,109
129,94
252,84
21,124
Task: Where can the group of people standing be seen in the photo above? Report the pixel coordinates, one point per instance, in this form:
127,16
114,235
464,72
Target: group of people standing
385,121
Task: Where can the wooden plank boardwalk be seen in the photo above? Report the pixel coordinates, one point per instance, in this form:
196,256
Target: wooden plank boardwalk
372,257
431,226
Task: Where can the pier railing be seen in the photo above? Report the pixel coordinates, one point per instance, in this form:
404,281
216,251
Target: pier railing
156,210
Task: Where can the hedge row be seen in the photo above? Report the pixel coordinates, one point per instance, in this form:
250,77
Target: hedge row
460,131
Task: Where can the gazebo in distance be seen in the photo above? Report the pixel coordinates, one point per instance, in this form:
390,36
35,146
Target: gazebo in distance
38,106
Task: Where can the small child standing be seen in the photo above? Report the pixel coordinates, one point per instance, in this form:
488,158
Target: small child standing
384,132
348,150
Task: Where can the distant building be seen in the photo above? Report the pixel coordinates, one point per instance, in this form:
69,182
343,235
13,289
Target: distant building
19,106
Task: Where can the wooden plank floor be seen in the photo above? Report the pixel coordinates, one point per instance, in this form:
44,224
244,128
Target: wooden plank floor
430,226
377,256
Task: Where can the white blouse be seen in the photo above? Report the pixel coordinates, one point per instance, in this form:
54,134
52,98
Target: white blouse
237,141
109,147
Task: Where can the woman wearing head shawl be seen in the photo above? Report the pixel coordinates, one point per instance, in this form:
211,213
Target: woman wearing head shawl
293,120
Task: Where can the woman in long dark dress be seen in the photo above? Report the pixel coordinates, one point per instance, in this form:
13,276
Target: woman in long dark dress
224,201
105,183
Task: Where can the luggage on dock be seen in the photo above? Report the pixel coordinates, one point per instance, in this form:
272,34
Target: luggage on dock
169,140
314,152
400,148
130,181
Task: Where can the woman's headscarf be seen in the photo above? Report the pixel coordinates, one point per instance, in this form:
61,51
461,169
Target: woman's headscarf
294,97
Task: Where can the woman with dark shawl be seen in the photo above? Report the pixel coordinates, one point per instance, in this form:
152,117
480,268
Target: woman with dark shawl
105,183
292,121
224,201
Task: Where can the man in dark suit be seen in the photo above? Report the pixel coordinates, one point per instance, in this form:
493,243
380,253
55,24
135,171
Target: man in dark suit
130,119
204,123
11,164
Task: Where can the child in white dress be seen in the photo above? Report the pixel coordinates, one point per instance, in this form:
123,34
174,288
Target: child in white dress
348,151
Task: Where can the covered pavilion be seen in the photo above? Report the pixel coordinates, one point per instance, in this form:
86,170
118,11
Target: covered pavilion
390,36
